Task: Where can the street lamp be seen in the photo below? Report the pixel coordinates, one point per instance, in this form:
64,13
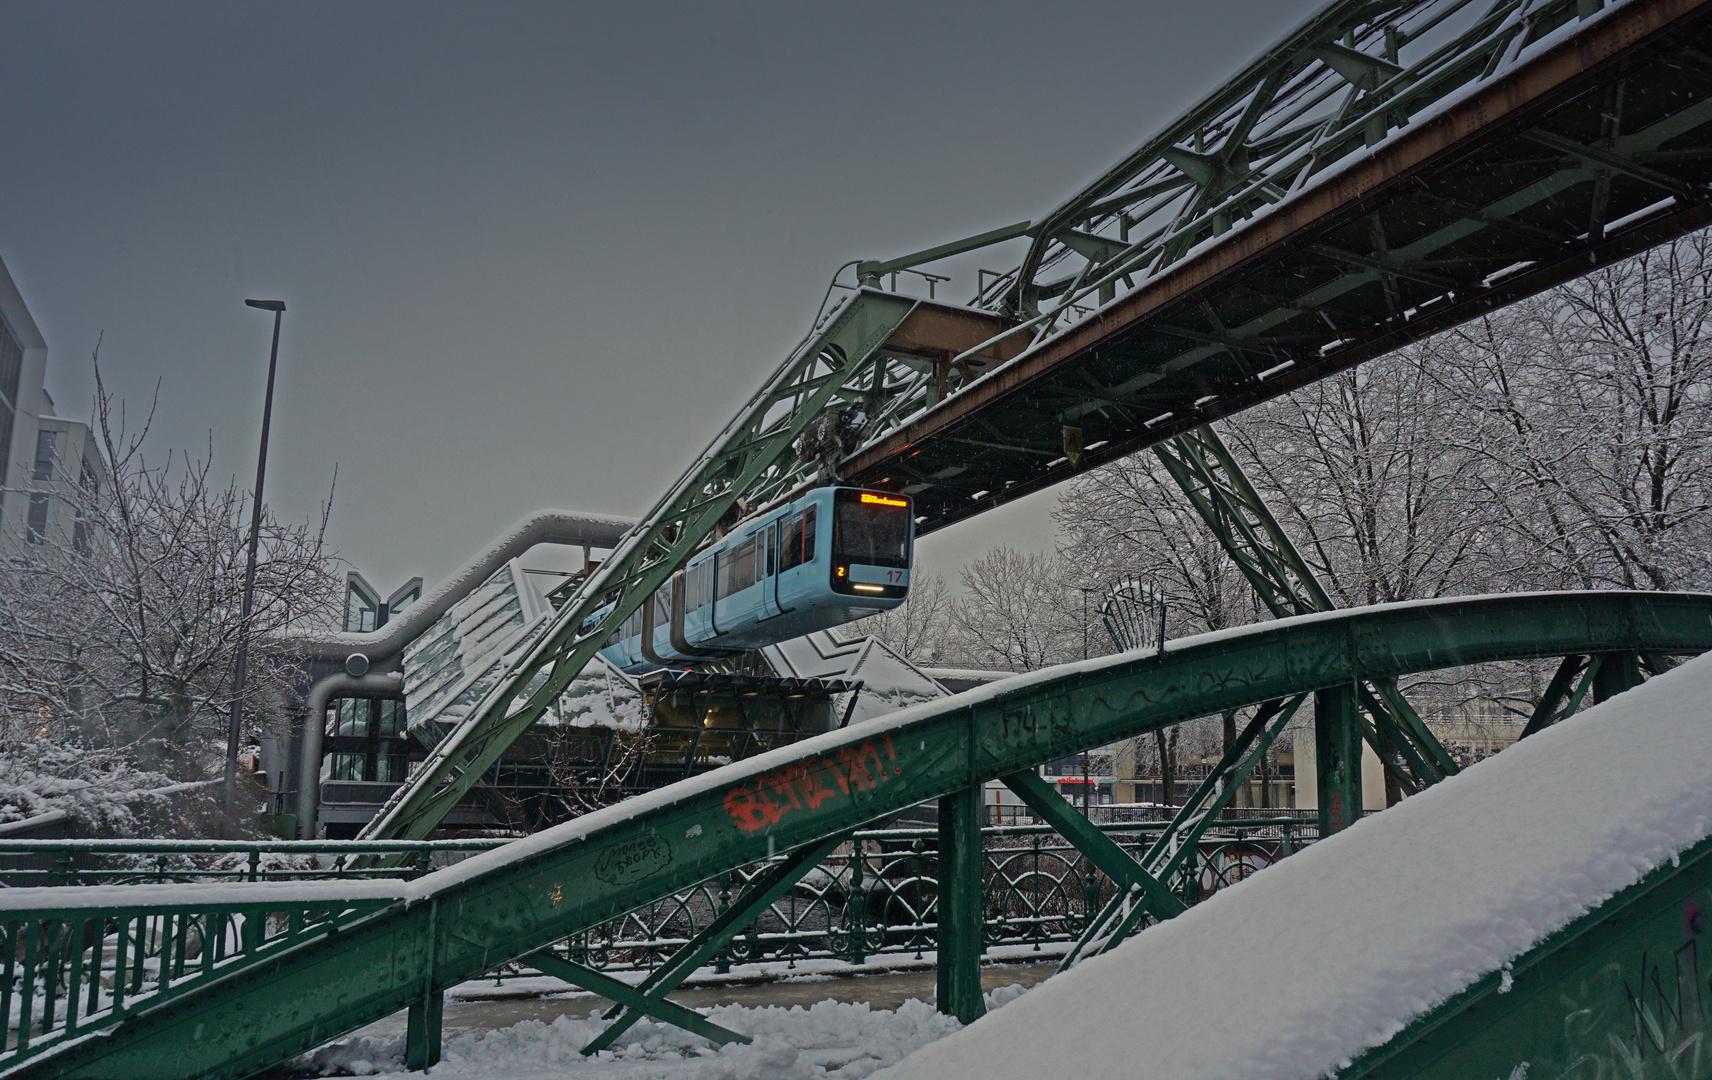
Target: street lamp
236,723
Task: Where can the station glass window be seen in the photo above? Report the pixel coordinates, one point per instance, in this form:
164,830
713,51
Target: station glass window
352,717
345,766
391,719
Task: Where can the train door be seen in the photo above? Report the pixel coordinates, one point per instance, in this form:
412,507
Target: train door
767,568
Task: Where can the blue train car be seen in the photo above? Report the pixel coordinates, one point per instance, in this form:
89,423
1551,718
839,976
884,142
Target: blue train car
835,555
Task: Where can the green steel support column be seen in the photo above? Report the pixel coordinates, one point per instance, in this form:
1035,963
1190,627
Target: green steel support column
1337,758
1245,527
1620,671
960,859
422,1031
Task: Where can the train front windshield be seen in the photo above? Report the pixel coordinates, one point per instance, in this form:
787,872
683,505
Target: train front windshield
871,528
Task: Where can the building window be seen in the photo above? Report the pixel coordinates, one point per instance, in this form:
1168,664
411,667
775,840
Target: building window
345,766
391,719
359,613
366,740
353,718
47,446
37,521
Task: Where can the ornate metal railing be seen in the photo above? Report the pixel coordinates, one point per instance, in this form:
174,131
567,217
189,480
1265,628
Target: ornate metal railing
68,967
875,895
878,895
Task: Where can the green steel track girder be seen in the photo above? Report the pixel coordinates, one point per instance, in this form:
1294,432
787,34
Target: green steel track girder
508,903
1242,522
1506,163
1220,228
1618,992
753,459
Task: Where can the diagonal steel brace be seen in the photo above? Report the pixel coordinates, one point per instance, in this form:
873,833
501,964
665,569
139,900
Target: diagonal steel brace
1124,912
630,997
768,887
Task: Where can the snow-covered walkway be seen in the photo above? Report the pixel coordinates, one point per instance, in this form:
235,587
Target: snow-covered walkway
832,1039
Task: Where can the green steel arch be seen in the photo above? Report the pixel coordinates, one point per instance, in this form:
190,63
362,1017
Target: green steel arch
510,903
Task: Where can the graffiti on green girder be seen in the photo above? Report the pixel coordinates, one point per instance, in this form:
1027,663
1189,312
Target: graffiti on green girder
804,786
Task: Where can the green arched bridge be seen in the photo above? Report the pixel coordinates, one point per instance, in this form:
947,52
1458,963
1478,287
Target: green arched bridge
257,995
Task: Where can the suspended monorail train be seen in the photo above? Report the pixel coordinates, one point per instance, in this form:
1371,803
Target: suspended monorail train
835,555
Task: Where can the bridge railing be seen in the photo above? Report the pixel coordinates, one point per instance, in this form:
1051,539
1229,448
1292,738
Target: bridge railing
93,956
80,958
25,863
877,895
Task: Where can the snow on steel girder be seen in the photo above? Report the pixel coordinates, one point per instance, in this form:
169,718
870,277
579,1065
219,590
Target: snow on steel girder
1445,218
1538,915
506,903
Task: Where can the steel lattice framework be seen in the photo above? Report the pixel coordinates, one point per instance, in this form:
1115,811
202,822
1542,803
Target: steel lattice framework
1385,171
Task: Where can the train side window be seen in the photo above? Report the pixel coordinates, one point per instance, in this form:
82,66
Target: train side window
808,535
662,606
790,543
743,565
772,535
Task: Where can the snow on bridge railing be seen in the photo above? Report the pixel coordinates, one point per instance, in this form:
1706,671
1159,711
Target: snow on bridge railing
77,959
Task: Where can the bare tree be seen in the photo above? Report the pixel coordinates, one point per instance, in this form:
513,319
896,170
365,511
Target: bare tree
120,639
917,628
1590,411
1014,614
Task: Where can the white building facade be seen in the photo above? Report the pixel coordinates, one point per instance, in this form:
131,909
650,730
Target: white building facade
45,460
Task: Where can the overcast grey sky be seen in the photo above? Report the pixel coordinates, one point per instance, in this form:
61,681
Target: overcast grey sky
534,254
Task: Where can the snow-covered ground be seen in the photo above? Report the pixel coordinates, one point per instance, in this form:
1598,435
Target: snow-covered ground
829,1040
1334,950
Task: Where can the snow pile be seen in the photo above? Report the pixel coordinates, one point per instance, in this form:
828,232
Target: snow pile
831,1039
1364,931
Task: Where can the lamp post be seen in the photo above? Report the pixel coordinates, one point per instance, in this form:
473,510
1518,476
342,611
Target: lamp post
235,726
